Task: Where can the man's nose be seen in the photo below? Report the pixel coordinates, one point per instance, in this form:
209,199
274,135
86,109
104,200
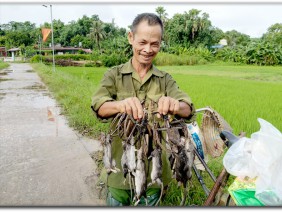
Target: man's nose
148,48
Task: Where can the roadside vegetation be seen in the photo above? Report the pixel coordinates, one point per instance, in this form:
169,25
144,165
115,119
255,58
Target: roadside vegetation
3,65
240,93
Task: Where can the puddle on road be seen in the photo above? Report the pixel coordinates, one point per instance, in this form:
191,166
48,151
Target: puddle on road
5,79
30,71
2,96
36,86
5,71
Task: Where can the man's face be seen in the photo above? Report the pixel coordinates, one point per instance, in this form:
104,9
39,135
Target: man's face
145,42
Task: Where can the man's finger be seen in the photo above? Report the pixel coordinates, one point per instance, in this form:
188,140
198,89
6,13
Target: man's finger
176,107
128,108
171,105
139,107
166,104
160,105
133,108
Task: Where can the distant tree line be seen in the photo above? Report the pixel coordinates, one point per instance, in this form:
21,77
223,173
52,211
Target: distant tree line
188,33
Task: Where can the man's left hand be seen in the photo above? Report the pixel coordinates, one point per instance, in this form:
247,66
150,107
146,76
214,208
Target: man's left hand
167,105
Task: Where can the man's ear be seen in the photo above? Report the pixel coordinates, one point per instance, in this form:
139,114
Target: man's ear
130,37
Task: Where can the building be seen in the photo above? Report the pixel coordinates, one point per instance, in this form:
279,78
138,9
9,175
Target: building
13,52
3,52
223,42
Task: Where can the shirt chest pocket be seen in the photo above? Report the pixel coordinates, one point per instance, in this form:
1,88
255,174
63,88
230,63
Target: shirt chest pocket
124,95
154,97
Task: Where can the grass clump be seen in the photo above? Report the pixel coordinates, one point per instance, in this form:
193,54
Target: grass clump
3,65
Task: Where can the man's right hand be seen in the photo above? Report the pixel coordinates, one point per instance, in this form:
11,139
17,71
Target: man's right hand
131,106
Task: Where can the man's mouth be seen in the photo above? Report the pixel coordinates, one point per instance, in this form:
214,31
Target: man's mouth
146,56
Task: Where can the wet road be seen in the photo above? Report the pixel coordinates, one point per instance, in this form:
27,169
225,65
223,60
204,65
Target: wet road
43,162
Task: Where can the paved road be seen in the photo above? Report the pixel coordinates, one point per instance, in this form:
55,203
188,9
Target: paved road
43,162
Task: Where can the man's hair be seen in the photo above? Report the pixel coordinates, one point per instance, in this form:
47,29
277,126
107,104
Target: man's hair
150,18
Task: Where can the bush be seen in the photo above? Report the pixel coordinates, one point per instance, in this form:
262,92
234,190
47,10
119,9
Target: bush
166,59
36,59
76,57
113,59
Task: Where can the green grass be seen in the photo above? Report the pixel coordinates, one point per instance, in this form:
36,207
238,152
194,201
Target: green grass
240,94
3,65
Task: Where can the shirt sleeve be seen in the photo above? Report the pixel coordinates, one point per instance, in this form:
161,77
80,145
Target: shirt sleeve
173,91
105,92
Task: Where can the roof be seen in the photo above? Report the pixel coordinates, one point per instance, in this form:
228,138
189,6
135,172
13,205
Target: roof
13,50
218,46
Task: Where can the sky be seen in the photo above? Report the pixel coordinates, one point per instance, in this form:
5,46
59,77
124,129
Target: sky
252,19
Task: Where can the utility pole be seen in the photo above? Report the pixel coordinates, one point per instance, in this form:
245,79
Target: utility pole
53,47
40,43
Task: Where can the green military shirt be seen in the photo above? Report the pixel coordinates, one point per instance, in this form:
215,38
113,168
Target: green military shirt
122,82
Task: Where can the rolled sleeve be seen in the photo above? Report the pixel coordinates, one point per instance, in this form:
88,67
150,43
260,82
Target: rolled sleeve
105,92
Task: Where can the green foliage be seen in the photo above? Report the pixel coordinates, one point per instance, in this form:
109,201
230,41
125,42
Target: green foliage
113,59
274,34
183,59
75,57
235,38
189,29
3,65
179,55
256,52
19,33
264,53
97,32
35,59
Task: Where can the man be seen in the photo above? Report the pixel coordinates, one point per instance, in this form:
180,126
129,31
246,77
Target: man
124,87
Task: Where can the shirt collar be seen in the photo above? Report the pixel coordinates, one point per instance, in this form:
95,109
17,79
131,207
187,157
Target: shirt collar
128,68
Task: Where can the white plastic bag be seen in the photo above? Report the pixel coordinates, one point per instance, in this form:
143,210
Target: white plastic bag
261,157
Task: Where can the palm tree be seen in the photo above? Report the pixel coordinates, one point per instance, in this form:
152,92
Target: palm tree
162,14
97,32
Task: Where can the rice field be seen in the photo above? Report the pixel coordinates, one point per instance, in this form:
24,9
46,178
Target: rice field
241,94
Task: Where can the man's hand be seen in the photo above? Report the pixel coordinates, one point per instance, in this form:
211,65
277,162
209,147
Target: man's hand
131,106
167,105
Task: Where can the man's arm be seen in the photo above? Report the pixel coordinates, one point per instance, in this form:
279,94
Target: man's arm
131,106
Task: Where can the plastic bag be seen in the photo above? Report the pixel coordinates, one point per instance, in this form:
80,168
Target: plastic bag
261,157
243,192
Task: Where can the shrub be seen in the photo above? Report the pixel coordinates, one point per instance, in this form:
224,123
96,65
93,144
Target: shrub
166,59
35,59
113,59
